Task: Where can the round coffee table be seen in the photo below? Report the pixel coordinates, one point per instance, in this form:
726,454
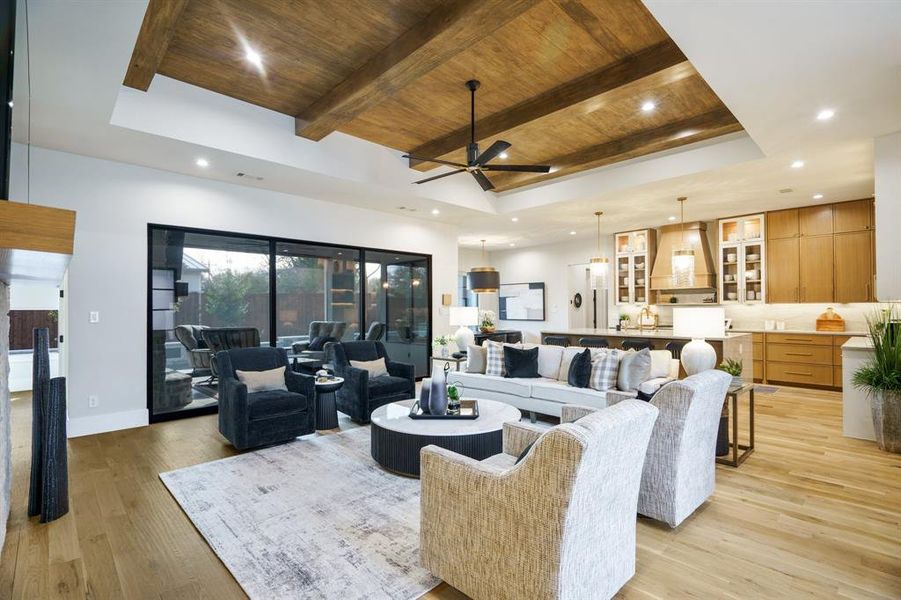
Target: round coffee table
397,439
326,416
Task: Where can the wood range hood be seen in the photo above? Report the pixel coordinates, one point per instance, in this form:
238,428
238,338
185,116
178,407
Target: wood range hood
670,237
36,242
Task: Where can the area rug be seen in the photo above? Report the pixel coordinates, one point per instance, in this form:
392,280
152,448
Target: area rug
316,518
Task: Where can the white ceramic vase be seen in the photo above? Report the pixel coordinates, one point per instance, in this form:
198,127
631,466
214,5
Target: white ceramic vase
697,356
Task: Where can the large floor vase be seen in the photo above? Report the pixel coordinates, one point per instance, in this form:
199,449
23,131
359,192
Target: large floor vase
886,409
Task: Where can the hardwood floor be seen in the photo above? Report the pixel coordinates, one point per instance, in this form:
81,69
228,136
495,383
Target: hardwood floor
810,514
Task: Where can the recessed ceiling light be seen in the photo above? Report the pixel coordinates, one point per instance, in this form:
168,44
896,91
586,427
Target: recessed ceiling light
253,57
515,219
512,245
503,155
202,162
818,196
825,114
554,169
671,218
797,164
10,103
572,233
648,106
435,211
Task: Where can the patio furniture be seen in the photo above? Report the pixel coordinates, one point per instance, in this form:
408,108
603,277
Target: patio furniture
375,332
318,329
220,339
199,355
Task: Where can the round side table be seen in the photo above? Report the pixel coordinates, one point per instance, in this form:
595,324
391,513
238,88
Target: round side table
326,409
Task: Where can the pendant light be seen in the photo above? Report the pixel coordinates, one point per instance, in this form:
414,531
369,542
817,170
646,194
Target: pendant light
599,265
683,256
484,280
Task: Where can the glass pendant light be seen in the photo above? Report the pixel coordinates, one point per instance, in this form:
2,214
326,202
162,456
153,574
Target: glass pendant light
683,256
484,280
599,265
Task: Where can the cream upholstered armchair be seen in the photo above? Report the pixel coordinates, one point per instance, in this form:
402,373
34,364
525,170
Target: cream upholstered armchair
679,470
558,524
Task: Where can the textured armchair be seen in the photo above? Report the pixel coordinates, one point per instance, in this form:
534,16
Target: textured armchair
375,333
360,394
559,524
251,420
220,339
332,329
199,354
680,471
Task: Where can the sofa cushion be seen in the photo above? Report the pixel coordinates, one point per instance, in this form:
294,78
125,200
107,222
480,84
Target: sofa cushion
604,369
385,385
262,405
568,354
492,383
580,370
549,358
660,363
634,368
476,358
650,387
259,381
519,362
377,368
494,365
558,391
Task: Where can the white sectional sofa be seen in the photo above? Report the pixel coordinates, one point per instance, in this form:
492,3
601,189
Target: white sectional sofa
547,395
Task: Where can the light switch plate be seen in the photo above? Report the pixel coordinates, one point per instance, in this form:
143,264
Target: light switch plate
94,317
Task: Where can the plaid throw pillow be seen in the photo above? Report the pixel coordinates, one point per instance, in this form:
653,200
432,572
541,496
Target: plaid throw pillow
495,363
604,369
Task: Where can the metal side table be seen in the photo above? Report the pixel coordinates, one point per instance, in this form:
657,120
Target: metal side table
326,416
738,453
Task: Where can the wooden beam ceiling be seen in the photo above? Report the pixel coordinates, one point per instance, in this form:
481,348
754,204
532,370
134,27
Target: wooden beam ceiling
679,133
153,41
658,65
447,31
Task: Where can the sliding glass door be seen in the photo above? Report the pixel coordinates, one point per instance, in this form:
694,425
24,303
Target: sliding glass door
204,286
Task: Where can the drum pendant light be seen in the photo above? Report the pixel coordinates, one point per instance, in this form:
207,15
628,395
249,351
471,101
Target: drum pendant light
484,280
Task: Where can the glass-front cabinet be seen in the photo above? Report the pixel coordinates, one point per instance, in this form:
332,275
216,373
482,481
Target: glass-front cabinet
635,253
742,260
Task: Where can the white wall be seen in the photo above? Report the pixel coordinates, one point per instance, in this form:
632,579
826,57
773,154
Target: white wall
114,204
887,151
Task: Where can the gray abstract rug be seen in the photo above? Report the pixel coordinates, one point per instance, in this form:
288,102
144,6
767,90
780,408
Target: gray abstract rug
316,518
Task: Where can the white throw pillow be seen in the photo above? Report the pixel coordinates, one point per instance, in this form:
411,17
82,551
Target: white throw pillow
376,368
567,357
476,359
634,369
604,369
261,381
660,363
549,358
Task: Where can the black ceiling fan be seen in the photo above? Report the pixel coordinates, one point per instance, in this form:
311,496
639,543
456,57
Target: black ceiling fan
477,163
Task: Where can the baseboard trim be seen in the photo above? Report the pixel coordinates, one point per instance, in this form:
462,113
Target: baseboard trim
107,422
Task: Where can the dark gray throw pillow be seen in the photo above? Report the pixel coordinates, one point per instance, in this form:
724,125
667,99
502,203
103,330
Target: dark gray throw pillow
520,363
580,370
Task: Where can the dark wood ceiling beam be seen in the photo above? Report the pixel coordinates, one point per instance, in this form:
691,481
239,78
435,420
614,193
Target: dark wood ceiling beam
679,133
153,40
658,65
445,32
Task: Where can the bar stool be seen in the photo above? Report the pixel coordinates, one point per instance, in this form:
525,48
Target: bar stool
587,342
675,348
637,344
556,340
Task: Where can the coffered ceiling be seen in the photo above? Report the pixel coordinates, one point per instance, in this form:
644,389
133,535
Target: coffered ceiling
562,80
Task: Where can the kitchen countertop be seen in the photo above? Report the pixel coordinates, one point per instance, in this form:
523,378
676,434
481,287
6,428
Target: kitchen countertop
858,343
663,334
799,331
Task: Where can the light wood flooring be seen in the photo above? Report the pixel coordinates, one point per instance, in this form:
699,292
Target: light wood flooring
810,515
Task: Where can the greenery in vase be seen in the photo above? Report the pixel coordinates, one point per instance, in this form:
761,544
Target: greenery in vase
883,372
487,319
453,393
732,366
442,340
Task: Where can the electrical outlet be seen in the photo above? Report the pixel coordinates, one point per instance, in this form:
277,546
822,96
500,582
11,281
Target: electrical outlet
93,401
94,317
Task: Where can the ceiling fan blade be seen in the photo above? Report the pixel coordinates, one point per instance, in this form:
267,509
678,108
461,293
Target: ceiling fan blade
492,152
483,181
440,176
519,168
434,160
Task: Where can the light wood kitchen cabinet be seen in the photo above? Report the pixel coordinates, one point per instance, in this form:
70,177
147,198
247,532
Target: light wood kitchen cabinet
852,216
853,266
781,224
815,220
783,270
816,258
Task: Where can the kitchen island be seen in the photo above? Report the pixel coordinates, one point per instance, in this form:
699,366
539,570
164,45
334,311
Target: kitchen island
857,419
730,345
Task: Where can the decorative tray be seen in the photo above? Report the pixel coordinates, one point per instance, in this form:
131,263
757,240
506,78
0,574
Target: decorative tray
469,409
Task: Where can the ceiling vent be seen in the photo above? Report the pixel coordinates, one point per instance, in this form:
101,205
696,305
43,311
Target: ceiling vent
248,176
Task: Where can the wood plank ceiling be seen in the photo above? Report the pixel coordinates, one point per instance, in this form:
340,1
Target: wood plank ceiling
562,80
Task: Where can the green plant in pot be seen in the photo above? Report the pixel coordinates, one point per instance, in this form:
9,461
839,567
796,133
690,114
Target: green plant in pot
880,378
487,321
441,342
734,367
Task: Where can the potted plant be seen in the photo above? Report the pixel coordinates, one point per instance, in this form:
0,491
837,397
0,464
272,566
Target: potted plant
441,342
881,379
623,322
734,367
487,321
